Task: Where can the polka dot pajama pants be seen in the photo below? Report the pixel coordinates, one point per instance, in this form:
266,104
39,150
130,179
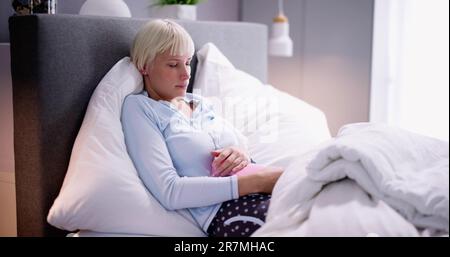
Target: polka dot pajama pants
240,217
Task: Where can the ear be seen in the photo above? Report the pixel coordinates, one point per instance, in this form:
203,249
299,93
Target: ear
143,71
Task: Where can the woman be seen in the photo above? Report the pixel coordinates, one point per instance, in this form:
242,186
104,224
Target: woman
185,154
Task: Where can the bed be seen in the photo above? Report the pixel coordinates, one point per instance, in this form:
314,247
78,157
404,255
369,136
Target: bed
329,187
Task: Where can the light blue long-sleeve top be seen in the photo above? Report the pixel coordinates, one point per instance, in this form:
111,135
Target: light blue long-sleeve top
172,153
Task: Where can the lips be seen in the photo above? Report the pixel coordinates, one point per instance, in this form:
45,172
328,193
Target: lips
182,86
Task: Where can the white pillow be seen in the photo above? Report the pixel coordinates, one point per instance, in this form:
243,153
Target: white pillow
102,191
277,125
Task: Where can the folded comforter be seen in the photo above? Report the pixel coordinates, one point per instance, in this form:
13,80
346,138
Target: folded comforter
408,171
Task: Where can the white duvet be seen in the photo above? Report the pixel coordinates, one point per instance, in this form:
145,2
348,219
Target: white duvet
370,180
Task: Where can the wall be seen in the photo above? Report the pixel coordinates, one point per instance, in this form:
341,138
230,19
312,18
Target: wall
332,54
5,11
7,181
218,10
6,112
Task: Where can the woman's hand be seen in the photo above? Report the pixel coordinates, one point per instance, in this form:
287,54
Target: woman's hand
228,161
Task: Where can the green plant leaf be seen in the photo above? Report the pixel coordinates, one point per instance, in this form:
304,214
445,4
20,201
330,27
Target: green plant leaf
170,2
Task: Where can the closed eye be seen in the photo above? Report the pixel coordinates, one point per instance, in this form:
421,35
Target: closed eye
174,65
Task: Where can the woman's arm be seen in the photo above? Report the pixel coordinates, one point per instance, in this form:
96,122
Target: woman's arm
262,181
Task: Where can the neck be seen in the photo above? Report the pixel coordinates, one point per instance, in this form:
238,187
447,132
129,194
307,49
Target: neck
152,93
155,96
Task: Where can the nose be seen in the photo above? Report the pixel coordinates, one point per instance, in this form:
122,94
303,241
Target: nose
186,72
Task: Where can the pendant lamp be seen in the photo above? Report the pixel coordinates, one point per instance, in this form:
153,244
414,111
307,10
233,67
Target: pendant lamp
280,44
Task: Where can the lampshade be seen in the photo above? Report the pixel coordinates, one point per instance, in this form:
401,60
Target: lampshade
105,8
280,44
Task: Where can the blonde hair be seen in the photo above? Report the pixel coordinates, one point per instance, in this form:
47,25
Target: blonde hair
158,36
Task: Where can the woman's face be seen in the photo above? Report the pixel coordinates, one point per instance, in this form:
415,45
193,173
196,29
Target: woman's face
167,77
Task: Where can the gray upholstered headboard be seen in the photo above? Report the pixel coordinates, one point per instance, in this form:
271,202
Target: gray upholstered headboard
56,63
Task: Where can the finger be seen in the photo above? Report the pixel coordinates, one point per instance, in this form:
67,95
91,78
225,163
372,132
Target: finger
240,157
234,164
239,167
222,156
227,165
242,154
215,153
221,169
